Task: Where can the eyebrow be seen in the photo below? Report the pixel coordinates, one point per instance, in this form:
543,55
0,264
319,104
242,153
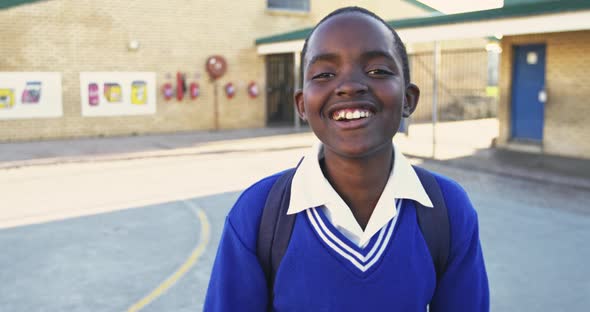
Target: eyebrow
333,57
328,57
378,53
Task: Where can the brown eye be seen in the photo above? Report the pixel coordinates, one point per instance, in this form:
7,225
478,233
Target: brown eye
322,76
379,72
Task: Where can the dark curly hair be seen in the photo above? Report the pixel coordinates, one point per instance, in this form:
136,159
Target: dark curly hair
398,44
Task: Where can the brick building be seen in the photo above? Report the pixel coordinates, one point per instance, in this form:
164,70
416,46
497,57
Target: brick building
544,80
74,38
561,123
261,40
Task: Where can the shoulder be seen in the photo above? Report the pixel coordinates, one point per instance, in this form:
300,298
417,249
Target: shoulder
462,214
453,192
245,215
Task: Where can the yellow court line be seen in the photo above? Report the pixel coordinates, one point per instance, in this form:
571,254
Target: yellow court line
170,281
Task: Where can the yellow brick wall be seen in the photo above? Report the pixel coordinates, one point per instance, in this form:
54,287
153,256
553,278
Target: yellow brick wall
567,110
73,36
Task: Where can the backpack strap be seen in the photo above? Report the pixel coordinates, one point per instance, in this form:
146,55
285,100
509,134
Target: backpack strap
276,226
434,222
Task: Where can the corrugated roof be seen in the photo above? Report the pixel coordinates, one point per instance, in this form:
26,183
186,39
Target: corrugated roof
512,8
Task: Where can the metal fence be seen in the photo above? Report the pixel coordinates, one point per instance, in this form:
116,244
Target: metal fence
463,86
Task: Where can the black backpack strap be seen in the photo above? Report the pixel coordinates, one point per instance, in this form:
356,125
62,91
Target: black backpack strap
275,228
434,222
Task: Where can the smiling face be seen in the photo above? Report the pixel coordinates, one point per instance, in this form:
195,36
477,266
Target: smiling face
353,86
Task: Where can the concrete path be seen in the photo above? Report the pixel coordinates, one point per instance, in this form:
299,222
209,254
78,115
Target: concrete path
465,144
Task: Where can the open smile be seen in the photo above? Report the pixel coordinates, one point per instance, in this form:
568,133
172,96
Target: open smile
351,115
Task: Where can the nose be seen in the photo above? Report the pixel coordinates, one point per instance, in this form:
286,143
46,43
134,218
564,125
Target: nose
351,87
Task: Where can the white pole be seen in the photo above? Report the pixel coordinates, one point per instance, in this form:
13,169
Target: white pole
296,86
435,95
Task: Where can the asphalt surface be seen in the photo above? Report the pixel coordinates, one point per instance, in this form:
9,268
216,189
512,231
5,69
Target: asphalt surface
132,223
533,234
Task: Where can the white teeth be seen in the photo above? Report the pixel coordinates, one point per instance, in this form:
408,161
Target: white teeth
351,115
339,115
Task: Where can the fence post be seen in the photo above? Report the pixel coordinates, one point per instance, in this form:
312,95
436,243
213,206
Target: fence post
435,95
296,86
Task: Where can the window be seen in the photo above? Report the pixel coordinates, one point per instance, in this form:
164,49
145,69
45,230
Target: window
294,5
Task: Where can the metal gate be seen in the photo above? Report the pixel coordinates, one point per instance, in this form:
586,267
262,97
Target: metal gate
279,89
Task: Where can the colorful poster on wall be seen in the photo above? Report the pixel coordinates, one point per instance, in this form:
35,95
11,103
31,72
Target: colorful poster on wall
30,95
118,93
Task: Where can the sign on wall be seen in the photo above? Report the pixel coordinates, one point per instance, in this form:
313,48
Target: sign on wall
118,93
30,95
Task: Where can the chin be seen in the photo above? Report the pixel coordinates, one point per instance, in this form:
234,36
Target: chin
360,150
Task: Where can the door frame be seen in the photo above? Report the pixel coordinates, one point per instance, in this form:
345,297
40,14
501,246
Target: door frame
284,107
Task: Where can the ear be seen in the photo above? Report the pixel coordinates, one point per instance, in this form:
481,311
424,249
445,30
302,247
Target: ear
299,104
410,99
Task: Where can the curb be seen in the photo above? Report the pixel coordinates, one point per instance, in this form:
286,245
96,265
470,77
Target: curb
514,172
134,156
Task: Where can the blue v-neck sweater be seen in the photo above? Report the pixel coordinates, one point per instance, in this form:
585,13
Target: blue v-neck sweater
323,271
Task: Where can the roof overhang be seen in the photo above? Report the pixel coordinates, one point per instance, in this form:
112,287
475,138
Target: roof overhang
537,24
526,19
5,4
290,46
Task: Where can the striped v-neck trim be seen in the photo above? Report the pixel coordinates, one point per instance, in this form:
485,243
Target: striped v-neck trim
362,259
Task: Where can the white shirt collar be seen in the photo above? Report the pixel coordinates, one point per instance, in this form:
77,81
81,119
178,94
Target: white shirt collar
311,189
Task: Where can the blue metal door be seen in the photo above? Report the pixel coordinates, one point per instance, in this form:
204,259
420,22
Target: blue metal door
528,94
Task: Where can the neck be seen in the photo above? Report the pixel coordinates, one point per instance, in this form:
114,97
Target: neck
359,181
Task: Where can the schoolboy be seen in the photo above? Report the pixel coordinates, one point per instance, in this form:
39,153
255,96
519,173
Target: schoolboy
355,244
